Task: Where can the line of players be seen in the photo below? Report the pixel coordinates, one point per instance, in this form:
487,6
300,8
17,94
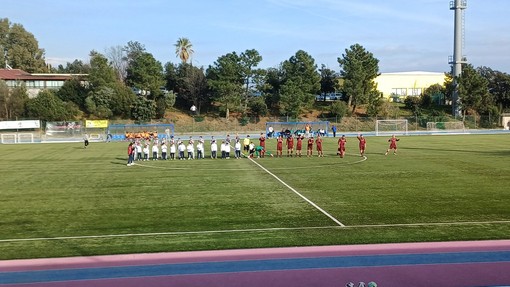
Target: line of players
363,145
318,142
178,149
289,140
143,150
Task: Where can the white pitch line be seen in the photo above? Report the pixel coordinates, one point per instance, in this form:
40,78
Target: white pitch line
164,233
186,168
177,233
429,224
299,194
364,158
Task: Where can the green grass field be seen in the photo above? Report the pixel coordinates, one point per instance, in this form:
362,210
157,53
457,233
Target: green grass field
62,200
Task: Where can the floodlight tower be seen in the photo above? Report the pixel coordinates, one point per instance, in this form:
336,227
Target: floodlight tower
458,46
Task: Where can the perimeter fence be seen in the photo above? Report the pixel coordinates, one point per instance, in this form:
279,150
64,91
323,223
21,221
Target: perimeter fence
347,124
99,129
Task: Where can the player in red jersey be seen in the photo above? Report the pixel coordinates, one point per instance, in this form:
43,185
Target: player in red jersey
279,146
318,142
341,146
393,145
299,145
362,144
309,147
131,154
290,145
262,143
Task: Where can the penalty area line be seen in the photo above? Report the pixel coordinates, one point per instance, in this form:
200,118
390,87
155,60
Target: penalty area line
299,194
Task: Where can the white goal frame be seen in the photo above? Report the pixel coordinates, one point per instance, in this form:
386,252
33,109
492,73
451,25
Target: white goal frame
22,136
17,138
446,126
391,127
3,138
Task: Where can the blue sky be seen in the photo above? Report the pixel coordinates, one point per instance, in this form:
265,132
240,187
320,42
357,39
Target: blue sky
405,35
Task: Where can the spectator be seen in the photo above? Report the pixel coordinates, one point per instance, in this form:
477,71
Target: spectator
270,132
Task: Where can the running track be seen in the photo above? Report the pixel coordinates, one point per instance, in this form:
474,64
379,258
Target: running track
472,263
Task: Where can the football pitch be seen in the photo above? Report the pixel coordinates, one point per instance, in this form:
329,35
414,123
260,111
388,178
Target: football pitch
60,200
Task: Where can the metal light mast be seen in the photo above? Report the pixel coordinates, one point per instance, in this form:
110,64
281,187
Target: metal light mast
458,44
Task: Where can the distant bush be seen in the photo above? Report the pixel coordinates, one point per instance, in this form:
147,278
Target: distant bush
339,109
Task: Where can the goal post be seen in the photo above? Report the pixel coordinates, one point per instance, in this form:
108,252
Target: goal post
25,138
446,126
17,138
22,131
8,138
390,127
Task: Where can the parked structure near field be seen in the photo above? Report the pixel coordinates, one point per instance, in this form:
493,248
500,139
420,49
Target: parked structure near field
397,86
35,82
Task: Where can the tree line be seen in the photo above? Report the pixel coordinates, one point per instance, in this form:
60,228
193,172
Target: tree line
127,82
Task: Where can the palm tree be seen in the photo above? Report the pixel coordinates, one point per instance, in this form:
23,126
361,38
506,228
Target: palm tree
183,49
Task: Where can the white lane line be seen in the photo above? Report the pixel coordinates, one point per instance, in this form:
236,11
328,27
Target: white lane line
300,195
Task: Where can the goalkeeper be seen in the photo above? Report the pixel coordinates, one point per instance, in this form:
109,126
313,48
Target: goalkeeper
260,150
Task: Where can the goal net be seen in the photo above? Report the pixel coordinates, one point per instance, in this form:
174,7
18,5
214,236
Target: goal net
8,138
297,128
17,138
390,127
25,138
445,126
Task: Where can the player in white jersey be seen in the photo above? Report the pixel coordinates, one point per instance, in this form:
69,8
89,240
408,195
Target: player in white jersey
200,150
172,149
237,148
155,151
146,152
251,148
164,150
214,148
226,150
138,151
182,148
191,150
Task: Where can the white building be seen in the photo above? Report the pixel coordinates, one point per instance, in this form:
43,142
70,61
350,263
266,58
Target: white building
35,82
405,84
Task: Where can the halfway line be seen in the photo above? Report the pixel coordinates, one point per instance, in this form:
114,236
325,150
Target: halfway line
299,194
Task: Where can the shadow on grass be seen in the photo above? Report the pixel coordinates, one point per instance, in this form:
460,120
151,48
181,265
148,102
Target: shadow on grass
120,161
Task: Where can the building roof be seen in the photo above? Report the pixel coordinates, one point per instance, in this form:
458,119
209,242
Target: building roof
20,75
14,74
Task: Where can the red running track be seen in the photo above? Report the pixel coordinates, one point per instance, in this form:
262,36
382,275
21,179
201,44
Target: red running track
472,263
